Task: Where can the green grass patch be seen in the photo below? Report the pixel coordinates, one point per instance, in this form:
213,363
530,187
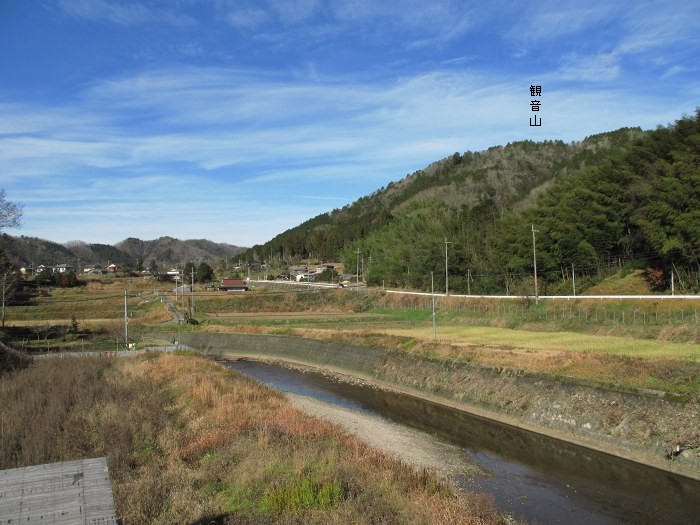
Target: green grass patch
301,494
543,341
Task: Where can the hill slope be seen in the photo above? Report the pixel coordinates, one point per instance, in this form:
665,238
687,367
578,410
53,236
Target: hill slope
624,197
509,176
22,251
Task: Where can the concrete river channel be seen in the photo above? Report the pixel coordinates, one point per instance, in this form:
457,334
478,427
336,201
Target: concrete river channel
531,476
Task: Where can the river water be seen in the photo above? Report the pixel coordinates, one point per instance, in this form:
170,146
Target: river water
531,476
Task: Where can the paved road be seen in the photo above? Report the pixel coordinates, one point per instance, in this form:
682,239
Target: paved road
351,287
117,353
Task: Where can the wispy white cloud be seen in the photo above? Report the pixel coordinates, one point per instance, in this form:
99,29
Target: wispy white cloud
122,13
674,70
596,68
547,21
247,127
282,107
247,18
241,224
647,26
323,198
301,22
295,11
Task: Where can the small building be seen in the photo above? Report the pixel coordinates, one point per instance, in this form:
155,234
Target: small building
174,273
64,268
233,285
93,269
112,268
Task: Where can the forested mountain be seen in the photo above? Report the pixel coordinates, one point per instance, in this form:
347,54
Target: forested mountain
507,176
167,250
628,197
131,252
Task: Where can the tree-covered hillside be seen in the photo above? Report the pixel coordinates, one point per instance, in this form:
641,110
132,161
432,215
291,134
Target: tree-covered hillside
509,176
624,197
131,253
642,208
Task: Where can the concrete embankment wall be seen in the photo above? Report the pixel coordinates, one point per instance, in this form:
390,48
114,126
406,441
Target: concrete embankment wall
642,426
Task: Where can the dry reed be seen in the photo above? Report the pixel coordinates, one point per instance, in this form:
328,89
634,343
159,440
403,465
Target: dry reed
187,441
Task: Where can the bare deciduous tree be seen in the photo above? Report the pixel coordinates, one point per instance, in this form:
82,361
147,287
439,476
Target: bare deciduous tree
10,213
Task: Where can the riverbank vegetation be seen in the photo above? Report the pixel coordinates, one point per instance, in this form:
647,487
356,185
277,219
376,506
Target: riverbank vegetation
635,343
630,343
188,441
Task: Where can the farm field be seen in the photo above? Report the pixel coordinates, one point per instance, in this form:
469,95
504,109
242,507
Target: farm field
545,338
656,347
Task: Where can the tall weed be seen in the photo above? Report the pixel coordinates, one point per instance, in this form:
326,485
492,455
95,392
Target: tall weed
188,441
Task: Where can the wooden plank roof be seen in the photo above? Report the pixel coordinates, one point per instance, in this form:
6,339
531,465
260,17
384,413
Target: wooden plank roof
67,493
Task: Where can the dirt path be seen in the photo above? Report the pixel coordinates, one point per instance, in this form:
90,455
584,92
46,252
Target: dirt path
178,317
414,447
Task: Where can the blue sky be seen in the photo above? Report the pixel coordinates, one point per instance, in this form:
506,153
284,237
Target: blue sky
234,120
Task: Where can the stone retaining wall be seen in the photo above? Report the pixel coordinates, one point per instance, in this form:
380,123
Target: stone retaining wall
640,425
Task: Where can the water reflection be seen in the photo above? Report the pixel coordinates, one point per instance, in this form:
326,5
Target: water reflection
541,479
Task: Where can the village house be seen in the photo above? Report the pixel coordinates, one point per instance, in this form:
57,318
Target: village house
64,268
27,270
93,269
233,285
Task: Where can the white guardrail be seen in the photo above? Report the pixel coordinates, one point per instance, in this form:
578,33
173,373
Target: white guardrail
464,296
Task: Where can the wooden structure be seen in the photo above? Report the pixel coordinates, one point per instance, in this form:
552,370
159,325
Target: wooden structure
66,493
233,285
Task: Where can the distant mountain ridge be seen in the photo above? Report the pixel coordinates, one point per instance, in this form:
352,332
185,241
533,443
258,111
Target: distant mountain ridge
131,252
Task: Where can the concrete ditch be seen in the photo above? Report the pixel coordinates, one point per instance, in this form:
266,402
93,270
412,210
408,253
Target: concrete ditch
639,425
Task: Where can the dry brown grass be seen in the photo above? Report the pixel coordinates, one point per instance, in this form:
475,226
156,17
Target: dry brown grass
188,440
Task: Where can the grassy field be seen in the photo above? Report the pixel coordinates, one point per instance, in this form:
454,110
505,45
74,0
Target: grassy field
505,338
649,344
637,344
188,441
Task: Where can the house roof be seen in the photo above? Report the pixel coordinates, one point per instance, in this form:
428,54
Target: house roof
233,282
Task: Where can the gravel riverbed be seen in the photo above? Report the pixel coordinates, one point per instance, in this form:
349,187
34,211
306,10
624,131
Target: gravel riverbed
413,447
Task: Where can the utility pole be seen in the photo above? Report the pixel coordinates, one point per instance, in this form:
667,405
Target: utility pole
534,259
126,323
673,289
469,278
447,286
4,277
357,270
573,277
192,292
432,293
